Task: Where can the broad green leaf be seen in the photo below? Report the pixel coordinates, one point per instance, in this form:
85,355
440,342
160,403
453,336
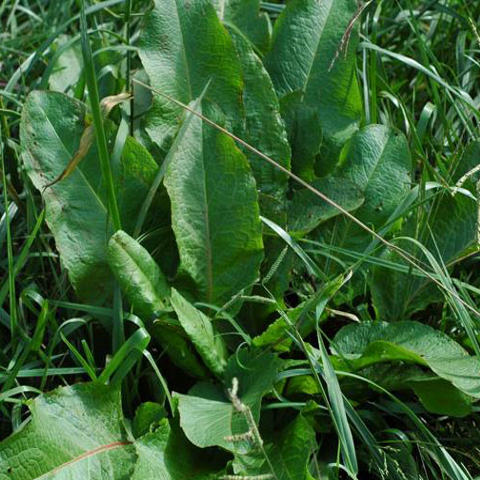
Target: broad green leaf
369,343
76,211
441,397
377,160
78,433
147,290
52,125
75,432
264,126
200,330
139,276
245,15
208,418
207,415
307,211
215,214
437,395
288,450
165,454
291,449
183,46
305,57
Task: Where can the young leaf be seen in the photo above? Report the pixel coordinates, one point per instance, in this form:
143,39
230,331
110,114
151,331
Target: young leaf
199,328
146,416
182,46
138,274
303,58
215,213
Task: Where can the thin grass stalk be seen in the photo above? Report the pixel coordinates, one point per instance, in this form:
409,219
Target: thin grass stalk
341,424
14,329
128,60
118,330
91,79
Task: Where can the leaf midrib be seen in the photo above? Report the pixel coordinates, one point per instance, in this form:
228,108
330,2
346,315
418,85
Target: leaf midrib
208,240
83,456
380,160
184,52
319,41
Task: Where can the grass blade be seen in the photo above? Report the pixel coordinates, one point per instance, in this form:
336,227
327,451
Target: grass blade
91,79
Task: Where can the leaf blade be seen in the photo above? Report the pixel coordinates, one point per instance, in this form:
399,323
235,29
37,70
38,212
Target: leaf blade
215,213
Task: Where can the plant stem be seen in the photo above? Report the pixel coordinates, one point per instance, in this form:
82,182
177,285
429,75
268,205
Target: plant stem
128,9
98,122
11,270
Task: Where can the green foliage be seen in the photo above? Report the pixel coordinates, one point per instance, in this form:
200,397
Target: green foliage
92,440
215,214
245,15
377,160
263,260
207,415
306,211
315,78
366,344
288,451
199,328
77,211
264,126
180,65
78,432
139,276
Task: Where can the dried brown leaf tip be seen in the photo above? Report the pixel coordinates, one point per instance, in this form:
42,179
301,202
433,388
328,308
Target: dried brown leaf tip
106,105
